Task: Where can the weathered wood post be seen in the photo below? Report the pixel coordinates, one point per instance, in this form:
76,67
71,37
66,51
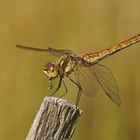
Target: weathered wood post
55,120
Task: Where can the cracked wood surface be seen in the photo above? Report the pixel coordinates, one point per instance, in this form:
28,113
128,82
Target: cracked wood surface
55,120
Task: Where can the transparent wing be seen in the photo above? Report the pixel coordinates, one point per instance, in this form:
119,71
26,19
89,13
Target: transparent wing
54,52
59,53
87,81
107,81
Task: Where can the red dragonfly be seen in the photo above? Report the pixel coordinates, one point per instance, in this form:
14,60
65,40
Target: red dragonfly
84,71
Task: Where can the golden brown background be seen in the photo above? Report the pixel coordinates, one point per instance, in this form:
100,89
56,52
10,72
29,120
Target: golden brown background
81,26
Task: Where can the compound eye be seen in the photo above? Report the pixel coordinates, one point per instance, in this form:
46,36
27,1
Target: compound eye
51,68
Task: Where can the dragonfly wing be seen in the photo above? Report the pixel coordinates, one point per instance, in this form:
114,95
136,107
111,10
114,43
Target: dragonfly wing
87,81
107,81
58,53
54,52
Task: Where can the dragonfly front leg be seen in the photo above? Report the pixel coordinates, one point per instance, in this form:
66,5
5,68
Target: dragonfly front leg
59,85
79,90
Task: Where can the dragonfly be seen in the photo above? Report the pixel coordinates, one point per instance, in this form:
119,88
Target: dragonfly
84,71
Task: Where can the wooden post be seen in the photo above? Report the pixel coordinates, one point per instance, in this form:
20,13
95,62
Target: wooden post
55,120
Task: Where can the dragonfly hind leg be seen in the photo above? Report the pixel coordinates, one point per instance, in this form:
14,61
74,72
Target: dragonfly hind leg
79,90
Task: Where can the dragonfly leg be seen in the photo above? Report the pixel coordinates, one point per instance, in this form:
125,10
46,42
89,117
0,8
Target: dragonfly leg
78,96
79,90
66,90
59,85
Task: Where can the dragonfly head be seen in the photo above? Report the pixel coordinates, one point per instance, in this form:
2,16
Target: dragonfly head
51,71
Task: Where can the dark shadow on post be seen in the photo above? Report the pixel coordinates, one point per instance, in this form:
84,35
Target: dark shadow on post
56,120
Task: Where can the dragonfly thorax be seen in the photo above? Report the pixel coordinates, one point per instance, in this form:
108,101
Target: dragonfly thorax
71,66
68,64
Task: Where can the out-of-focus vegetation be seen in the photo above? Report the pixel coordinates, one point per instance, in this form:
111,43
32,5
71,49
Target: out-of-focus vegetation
81,26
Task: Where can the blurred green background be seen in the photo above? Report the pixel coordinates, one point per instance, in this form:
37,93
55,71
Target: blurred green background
81,26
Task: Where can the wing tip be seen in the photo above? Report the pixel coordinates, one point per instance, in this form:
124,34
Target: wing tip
118,102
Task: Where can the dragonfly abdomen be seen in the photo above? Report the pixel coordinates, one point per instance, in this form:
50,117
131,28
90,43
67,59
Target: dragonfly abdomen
124,44
92,58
